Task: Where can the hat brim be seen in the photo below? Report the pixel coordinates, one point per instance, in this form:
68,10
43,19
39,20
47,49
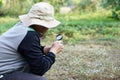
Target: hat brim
32,21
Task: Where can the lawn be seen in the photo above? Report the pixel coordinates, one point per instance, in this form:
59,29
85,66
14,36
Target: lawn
87,61
77,28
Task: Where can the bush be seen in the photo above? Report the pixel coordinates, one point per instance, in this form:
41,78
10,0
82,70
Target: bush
14,8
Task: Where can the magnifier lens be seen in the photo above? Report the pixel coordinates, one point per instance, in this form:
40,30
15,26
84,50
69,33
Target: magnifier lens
59,37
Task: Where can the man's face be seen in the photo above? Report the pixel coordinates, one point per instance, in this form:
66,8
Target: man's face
40,29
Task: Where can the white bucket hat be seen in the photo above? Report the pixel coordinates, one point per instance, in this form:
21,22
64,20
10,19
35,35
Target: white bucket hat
40,14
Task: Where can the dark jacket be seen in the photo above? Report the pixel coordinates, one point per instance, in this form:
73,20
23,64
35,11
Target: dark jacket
21,46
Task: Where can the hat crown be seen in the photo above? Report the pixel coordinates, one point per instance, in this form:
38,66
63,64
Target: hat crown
42,14
42,10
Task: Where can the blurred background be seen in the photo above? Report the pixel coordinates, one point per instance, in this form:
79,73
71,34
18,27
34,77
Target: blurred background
91,35
81,19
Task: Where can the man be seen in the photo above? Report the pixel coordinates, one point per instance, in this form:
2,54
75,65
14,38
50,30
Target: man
22,57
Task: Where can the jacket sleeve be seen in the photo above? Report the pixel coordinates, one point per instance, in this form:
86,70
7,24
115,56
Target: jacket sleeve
32,51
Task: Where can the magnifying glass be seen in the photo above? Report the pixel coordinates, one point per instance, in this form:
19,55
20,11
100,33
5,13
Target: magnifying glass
59,37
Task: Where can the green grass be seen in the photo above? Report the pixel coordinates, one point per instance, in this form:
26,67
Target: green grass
76,29
85,29
6,23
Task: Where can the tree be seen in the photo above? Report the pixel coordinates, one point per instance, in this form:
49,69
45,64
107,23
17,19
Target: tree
87,5
114,5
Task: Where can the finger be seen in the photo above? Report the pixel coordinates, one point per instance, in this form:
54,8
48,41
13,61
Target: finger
59,41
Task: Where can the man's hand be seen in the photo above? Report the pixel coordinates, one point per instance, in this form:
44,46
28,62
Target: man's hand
47,49
56,47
